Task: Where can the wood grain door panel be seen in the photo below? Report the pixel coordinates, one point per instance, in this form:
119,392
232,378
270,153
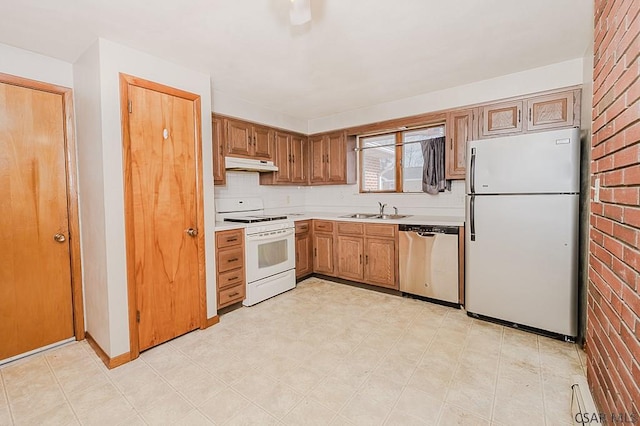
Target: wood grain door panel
379,267
35,270
350,257
163,186
263,142
219,172
239,138
303,255
550,111
323,254
317,160
459,132
336,158
283,157
503,118
299,157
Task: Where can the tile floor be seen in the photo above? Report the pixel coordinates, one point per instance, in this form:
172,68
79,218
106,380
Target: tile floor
322,354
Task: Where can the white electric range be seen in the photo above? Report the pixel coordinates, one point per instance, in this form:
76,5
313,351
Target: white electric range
269,247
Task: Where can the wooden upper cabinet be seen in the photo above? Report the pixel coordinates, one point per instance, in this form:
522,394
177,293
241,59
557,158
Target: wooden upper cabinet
317,159
550,111
461,128
299,160
500,119
283,157
246,139
239,138
219,173
332,159
291,159
262,142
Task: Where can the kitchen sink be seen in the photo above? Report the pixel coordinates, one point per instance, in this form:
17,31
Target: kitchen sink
360,215
390,216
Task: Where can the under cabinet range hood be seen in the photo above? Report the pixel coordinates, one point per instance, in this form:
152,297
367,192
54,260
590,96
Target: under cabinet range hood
249,165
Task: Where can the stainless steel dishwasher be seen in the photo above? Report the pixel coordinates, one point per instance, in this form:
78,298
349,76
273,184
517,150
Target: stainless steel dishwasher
429,262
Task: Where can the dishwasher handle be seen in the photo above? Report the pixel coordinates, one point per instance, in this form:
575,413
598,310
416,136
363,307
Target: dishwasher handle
426,234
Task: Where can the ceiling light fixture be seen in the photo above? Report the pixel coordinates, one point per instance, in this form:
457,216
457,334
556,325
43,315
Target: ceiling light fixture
300,12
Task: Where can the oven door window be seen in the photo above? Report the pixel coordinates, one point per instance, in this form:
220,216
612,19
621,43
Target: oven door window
272,253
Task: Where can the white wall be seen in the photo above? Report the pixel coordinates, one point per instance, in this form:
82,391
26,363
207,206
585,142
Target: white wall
115,59
236,107
86,73
553,76
23,63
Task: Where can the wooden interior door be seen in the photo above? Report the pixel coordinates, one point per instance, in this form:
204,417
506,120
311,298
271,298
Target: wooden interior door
36,306
160,163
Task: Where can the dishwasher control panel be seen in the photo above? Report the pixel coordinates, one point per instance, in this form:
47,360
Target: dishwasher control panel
429,229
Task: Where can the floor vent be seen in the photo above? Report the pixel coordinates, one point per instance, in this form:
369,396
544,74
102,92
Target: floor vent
583,409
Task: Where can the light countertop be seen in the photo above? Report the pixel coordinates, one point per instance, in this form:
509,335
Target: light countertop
409,220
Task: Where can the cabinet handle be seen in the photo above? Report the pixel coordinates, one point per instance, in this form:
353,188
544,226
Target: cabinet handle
366,259
230,240
235,259
293,158
315,252
529,114
232,278
361,259
234,294
249,140
451,145
519,116
254,140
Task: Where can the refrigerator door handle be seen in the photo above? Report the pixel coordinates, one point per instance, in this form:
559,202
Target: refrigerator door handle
472,218
472,173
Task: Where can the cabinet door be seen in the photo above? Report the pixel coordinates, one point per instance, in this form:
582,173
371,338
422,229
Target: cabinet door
550,111
219,174
380,262
283,157
317,159
460,126
299,159
239,138
323,253
336,158
263,142
350,257
303,255
503,118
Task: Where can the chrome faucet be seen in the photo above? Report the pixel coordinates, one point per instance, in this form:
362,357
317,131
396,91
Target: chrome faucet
395,210
382,206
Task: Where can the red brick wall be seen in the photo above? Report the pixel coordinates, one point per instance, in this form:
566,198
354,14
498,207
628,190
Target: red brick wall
613,315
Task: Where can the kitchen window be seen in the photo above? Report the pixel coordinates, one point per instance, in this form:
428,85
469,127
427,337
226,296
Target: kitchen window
393,162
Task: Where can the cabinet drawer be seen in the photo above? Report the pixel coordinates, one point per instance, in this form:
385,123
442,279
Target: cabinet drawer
302,227
231,295
229,238
229,259
323,225
381,230
352,228
231,278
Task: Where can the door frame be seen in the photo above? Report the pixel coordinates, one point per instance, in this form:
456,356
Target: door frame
71,174
125,81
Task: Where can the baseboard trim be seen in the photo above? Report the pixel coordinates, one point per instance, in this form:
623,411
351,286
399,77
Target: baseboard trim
108,361
212,321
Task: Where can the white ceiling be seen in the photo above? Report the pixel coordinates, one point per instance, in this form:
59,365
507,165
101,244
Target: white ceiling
354,53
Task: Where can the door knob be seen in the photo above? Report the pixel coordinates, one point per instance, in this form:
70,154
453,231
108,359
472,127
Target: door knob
59,238
192,232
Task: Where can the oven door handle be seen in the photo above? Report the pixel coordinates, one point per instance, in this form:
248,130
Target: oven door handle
272,235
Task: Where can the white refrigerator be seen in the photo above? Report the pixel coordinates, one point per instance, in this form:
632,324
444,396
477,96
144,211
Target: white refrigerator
522,230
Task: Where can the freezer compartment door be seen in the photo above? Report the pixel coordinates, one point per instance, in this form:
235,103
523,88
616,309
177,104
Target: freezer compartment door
429,265
522,265
544,162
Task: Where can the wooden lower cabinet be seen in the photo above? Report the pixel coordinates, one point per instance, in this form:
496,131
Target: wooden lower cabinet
380,262
304,249
230,272
350,257
366,252
323,253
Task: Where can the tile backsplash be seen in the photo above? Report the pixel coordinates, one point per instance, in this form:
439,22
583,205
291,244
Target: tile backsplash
339,198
